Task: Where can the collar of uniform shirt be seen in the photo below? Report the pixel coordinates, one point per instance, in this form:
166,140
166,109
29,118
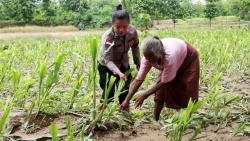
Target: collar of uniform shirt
116,35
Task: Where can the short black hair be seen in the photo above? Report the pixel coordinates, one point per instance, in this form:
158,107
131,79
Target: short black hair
120,14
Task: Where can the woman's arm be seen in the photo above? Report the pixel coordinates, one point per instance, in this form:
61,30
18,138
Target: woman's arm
140,99
136,51
135,86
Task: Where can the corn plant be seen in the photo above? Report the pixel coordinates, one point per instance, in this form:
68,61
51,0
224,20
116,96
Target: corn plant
240,128
51,79
24,126
223,120
179,124
93,50
111,112
3,73
16,77
53,131
75,90
70,129
105,100
4,128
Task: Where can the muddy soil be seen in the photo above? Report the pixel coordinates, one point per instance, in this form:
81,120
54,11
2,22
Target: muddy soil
145,132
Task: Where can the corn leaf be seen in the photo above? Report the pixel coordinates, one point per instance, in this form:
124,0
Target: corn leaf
198,105
53,131
233,98
68,125
139,113
5,116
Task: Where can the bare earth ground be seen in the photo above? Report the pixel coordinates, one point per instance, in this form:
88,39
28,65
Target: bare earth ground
59,35
145,132
53,34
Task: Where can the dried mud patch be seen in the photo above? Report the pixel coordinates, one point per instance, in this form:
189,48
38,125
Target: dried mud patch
35,124
39,126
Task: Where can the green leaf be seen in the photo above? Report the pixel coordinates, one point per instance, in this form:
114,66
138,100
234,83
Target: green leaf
68,125
233,98
198,105
27,119
53,131
6,113
139,113
57,67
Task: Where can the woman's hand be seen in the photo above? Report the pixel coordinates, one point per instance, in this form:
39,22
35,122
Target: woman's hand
124,105
138,67
140,99
122,76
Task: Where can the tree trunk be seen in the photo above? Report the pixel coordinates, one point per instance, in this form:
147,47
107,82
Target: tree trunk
210,21
239,23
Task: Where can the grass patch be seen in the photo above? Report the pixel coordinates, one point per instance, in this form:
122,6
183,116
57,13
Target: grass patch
193,20
226,18
38,29
24,40
32,40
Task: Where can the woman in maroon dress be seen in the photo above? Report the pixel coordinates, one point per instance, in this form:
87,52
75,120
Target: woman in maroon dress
178,79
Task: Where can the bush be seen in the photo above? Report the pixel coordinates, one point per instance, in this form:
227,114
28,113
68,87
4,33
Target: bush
71,23
81,26
89,17
40,20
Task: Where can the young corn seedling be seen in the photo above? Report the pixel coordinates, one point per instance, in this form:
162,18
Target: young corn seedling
240,128
53,131
24,126
75,90
16,76
180,123
94,50
51,79
112,114
3,73
3,121
107,90
223,120
70,129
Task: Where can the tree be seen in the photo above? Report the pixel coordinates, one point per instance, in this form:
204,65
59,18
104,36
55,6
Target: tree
26,9
74,5
153,8
188,6
175,10
245,12
198,9
2,14
221,8
211,10
19,9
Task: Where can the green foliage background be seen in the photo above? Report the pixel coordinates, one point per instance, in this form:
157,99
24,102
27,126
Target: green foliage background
97,13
